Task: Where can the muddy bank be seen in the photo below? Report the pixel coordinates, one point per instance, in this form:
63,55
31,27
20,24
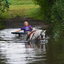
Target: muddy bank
18,22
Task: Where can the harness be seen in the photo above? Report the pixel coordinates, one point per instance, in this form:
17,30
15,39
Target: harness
40,34
29,25
33,34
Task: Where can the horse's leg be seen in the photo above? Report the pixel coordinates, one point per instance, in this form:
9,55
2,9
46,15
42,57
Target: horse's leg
39,44
27,37
30,44
26,44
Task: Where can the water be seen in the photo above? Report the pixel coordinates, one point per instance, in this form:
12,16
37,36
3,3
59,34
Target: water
13,51
16,53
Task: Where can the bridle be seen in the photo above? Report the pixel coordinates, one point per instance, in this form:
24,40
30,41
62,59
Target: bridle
38,36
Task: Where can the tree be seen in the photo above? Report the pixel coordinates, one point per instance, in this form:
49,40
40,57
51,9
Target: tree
53,12
2,7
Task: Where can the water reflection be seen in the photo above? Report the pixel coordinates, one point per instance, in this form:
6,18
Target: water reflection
16,53
55,54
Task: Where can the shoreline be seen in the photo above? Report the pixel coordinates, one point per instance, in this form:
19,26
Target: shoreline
18,22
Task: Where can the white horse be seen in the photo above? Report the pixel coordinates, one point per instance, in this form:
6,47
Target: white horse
36,36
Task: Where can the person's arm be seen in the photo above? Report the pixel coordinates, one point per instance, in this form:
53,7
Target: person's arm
18,30
30,27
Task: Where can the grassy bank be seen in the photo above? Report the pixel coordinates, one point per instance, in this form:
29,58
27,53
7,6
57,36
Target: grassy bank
21,2
21,8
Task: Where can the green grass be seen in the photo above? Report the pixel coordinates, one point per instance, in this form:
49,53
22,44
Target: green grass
27,9
35,13
21,2
20,10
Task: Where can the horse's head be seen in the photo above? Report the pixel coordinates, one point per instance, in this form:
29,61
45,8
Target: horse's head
42,35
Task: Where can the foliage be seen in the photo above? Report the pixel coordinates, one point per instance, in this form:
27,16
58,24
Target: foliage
52,11
57,18
45,8
3,6
1,24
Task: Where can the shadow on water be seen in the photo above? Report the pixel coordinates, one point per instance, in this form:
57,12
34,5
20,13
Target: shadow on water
55,52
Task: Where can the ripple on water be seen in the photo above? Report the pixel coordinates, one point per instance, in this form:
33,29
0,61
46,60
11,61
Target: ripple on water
16,53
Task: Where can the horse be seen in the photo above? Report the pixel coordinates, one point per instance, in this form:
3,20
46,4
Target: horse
35,37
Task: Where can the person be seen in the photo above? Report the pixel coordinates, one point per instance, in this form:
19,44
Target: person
27,28
7,3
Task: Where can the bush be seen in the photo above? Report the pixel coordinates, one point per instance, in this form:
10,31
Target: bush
52,11
44,9
57,18
3,6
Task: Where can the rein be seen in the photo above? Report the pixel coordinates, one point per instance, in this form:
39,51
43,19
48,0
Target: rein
34,33
40,34
31,33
